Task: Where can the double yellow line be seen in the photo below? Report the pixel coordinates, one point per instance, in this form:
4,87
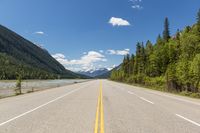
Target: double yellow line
99,122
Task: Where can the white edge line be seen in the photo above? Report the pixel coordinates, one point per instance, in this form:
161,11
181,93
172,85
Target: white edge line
146,100
165,95
12,119
195,123
138,96
130,92
172,97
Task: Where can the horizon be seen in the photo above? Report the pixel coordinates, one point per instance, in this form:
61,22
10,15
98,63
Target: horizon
99,33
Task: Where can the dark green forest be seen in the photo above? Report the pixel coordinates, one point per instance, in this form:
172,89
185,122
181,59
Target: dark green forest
20,57
171,64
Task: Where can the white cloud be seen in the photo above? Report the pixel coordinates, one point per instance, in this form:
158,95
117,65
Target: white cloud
118,22
110,68
85,62
137,7
58,56
136,4
101,51
118,52
135,1
39,32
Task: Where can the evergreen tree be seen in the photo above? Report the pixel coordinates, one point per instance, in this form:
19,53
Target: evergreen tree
198,17
148,52
171,63
171,78
137,58
195,72
154,66
159,41
149,47
132,62
173,52
142,59
159,53
127,64
178,34
166,32
182,74
198,23
188,29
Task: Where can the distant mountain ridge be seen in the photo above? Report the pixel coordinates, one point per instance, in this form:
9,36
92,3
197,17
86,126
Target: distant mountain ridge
102,73
20,56
93,73
107,74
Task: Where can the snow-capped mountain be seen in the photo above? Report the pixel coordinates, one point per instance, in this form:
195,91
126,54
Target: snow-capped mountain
94,72
107,74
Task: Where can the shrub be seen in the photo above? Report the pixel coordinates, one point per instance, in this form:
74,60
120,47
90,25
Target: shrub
18,89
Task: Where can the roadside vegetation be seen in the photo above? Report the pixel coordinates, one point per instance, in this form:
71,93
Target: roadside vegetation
171,64
18,90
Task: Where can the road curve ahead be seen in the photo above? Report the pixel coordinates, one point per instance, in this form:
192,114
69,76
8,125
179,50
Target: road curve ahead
99,106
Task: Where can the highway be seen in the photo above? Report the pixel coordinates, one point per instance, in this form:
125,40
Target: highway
99,106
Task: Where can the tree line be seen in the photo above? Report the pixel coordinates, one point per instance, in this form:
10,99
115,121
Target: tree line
10,68
172,63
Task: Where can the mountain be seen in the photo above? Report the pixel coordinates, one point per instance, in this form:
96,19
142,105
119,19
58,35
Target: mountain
94,72
108,73
19,56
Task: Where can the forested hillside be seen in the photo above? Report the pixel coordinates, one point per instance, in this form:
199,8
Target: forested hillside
20,57
171,64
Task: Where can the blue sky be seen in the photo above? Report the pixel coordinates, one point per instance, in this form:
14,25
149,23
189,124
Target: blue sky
78,33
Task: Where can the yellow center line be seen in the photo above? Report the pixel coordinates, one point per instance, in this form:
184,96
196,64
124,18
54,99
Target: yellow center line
102,112
99,113
97,117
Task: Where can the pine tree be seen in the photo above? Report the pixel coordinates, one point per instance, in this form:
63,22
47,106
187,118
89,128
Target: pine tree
132,62
198,23
127,65
153,67
166,32
198,17
178,34
195,72
159,41
143,59
171,78
137,58
149,47
148,51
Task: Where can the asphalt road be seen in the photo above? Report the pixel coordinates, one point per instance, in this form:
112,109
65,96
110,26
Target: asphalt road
109,106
